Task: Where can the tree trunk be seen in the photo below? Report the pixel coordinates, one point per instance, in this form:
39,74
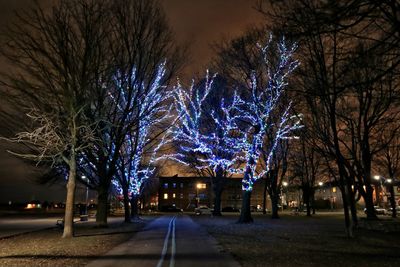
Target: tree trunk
102,206
245,212
126,205
313,201
218,187
265,197
369,203
274,203
69,207
352,203
306,199
134,207
348,222
392,201
217,200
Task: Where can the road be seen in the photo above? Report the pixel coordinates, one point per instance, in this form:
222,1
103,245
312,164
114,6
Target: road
173,241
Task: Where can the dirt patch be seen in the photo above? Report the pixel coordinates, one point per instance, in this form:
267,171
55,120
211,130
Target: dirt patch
302,241
47,248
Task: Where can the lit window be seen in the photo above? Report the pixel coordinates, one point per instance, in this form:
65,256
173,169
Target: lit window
174,185
165,196
173,195
201,186
166,185
334,189
181,196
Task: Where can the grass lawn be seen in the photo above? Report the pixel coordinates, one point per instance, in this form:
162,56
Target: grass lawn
47,248
301,241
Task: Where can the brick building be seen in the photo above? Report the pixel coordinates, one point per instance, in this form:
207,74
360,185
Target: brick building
189,192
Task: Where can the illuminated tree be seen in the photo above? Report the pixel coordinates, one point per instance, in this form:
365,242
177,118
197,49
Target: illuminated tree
139,41
202,133
259,114
142,142
241,132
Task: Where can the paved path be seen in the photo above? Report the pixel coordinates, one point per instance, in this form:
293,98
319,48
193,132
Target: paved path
174,241
16,226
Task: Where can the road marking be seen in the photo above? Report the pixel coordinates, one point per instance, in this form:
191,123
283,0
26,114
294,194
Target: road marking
171,228
173,247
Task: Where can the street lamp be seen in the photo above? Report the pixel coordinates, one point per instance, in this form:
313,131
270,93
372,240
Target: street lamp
285,184
320,183
378,188
87,196
389,187
198,186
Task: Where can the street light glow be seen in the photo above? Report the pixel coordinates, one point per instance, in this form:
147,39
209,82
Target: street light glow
320,183
285,183
377,177
389,180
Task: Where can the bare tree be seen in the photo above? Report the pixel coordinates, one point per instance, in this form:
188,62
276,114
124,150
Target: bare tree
307,168
55,58
328,33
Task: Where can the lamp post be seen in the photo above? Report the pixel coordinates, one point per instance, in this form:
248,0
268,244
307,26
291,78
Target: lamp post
389,187
284,185
86,196
198,186
377,189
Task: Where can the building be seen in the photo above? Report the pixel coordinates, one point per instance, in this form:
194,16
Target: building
189,192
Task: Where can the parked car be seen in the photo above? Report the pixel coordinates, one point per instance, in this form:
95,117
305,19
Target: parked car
203,210
378,210
170,208
230,209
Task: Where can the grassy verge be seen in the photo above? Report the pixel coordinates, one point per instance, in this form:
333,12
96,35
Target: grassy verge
47,248
302,241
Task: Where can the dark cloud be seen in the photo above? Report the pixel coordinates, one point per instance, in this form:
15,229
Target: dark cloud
203,22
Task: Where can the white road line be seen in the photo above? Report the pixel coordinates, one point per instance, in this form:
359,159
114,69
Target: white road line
173,247
165,247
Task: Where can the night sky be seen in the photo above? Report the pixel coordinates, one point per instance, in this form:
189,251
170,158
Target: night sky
199,22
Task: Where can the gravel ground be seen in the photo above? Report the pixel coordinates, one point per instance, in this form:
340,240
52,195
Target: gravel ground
47,248
302,241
